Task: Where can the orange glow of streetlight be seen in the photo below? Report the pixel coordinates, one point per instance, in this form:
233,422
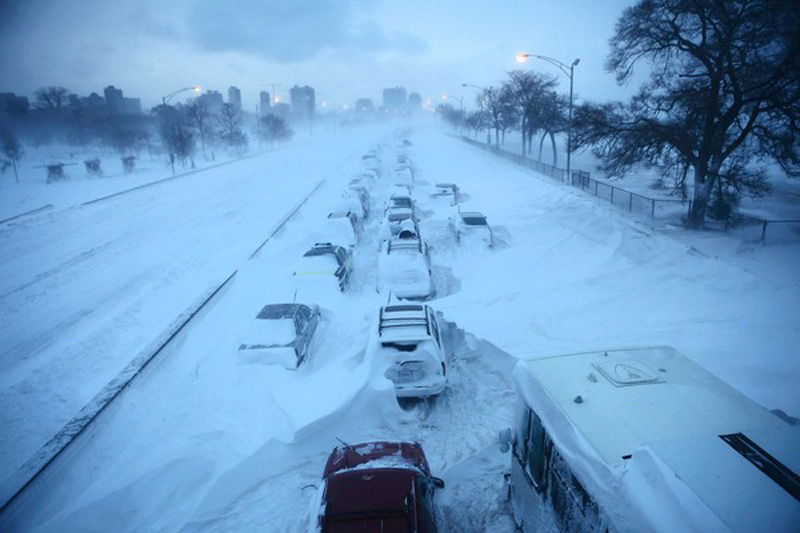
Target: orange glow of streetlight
522,57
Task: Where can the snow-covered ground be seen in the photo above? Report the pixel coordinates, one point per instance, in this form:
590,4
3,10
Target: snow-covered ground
205,443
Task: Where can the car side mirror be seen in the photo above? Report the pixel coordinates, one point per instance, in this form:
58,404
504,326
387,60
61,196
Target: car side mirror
506,438
438,482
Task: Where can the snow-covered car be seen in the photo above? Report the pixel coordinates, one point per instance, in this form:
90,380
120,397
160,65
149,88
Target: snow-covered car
400,207
447,192
377,486
472,226
362,195
326,260
404,268
411,343
280,334
342,227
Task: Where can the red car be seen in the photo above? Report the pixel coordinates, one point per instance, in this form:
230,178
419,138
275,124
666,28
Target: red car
378,487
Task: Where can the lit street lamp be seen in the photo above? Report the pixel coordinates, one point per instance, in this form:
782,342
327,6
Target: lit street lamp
167,98
482,89
569,71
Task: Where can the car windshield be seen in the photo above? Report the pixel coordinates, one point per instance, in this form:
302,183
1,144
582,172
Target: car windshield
474,220
397,217
318,264
400,201
270,332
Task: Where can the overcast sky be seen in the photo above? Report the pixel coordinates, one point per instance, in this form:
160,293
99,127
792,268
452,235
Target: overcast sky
345,49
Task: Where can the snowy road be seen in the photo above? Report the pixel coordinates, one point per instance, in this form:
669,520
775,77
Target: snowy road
83,290
204,443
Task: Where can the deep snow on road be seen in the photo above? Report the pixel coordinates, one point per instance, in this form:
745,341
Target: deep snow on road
83,290
205,443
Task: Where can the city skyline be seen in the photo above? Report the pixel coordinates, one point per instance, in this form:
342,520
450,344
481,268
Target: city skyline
358,48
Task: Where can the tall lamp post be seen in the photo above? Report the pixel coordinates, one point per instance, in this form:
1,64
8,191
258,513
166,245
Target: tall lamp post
569,71
488,129
167,98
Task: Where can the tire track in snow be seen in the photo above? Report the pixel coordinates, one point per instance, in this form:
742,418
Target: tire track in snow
69,263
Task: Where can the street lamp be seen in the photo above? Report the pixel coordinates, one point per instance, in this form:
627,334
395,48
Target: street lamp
167,98
569,71
482,89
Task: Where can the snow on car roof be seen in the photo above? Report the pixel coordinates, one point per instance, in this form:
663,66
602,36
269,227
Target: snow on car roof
403,322
622,399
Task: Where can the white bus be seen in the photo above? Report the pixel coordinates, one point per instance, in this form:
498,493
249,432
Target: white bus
643,439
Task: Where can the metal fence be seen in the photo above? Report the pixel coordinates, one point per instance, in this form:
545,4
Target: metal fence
633,202
782,230
582,180
788,229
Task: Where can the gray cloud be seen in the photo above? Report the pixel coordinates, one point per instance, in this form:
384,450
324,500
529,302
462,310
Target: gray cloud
287,32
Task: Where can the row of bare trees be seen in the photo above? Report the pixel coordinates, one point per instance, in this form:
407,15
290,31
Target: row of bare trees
721,104
526,102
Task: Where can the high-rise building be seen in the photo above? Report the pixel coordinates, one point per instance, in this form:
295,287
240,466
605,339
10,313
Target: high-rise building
116,104
395,98
235,97
212,100
414,101
265,102
303,101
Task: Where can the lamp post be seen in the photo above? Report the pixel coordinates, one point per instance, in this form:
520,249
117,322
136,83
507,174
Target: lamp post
488,129
167,98
569,71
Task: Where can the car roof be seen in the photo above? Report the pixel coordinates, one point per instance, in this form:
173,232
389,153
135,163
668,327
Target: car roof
471,214
377,454
277,311
403,322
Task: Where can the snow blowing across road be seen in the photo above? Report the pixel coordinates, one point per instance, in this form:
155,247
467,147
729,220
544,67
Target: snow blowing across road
203,442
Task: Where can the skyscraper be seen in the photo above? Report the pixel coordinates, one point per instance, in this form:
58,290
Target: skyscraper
235,98
303,101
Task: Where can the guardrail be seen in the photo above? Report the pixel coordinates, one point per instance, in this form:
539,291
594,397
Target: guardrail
32,472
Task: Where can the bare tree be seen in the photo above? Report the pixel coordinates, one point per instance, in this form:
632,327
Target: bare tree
52,99
12,149
200,118
451,115
274,128
528,90
230,122
176,134
723,94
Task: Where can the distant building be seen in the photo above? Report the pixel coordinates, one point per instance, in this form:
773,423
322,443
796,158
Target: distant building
414,101
235,97
93,106
117,104
13,105
395,99
280,109
264,100
212,100
303,101
364,105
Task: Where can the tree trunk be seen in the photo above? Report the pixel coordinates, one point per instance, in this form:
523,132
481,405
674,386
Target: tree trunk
497,137
541,144
555,152
704,179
